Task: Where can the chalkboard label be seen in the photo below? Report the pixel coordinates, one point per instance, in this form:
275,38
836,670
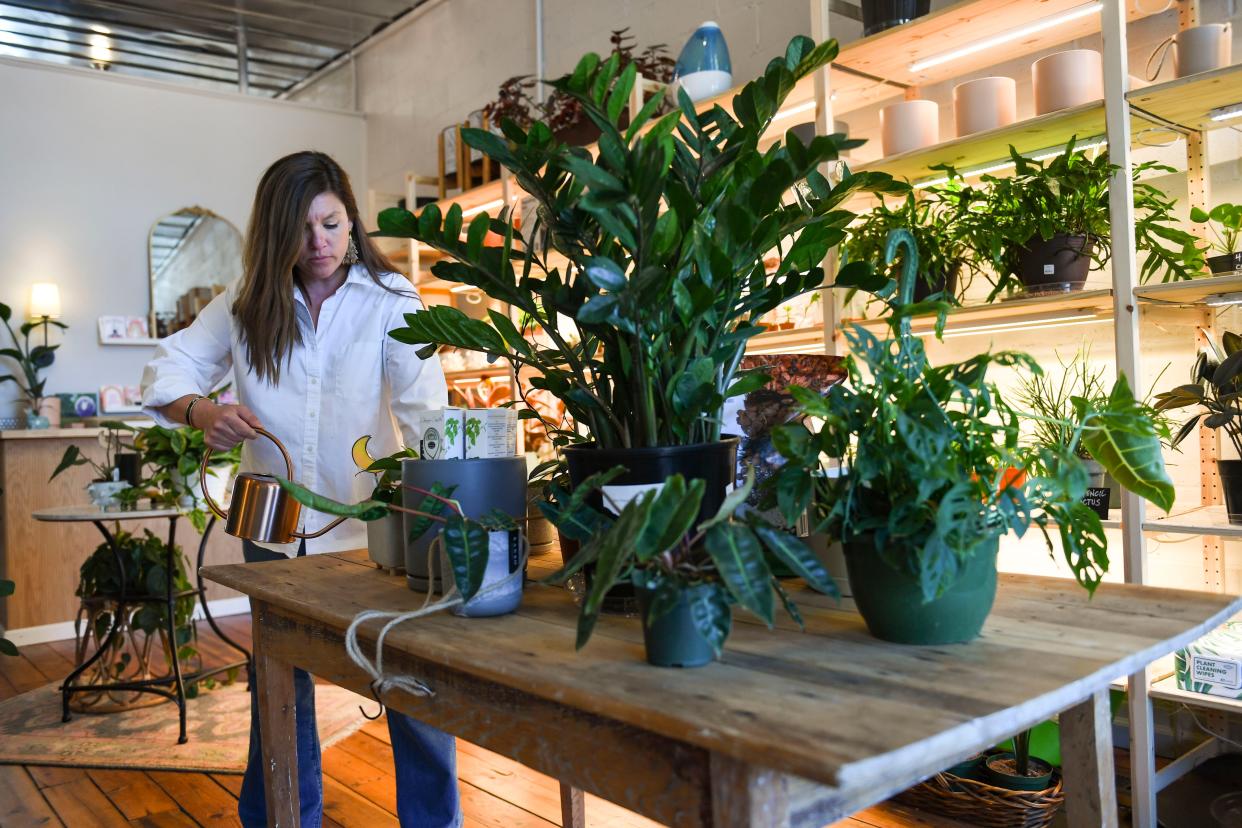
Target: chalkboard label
1097,499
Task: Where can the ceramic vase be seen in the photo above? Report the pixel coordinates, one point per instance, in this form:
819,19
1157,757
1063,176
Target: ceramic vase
908,126
104,493
1067,79
983,104
703,68
1202,49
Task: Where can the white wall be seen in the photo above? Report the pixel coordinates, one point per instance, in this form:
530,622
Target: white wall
89,161
450,57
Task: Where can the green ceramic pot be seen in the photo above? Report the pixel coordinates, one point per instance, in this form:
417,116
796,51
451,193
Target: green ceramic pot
672,640
1002,779
891,602
968,768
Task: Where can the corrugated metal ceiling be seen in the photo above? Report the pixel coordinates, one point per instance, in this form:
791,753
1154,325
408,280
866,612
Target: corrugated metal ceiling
262,47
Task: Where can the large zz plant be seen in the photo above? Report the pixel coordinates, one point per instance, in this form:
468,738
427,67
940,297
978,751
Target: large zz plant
644,267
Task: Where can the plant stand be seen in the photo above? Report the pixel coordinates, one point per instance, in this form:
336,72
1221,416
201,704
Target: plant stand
95,680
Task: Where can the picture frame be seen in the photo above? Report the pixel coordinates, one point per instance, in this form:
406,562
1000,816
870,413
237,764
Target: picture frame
114,329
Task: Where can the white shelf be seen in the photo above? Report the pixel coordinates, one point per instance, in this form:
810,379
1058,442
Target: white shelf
1204,520
1080,307
142,343
1168,690
1194,292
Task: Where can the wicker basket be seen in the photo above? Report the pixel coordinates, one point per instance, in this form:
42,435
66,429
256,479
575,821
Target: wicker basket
980,804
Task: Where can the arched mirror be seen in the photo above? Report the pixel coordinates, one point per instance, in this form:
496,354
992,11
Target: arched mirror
192,254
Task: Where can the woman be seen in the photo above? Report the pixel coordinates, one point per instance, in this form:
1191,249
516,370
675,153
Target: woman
305,333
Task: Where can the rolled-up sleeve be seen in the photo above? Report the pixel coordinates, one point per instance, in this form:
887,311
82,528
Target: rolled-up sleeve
415,384
191,361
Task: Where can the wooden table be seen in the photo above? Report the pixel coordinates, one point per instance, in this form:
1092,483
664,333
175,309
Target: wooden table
172,686
789,728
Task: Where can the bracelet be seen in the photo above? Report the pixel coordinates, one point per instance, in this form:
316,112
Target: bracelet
190,408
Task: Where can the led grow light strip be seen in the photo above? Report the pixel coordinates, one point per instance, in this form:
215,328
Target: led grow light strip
794,110
1004,165
1006,37
1053,322
483,208
1226,113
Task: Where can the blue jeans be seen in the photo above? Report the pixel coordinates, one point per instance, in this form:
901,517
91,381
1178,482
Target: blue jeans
425,758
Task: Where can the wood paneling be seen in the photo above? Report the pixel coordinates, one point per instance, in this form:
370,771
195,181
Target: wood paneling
44,558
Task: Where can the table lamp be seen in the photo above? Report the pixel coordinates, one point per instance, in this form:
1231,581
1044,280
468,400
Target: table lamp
44,304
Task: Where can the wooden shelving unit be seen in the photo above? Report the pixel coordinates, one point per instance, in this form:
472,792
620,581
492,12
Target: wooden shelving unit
1168,690
1187,102
1080,307
1209,290
809,340
1203,520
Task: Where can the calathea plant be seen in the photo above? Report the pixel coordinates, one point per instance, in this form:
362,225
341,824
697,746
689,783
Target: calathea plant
32,360
932,472
644,268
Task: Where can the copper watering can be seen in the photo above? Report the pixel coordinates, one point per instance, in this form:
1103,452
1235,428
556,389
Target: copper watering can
261,511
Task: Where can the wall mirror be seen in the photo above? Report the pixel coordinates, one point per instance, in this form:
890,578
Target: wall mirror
192,255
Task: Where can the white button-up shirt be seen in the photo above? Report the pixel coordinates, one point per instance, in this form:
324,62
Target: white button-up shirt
346,378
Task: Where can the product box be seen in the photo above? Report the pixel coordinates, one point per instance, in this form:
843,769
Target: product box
1213,664
441,434
490,432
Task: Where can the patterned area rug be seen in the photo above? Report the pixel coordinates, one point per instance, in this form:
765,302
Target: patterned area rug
217,724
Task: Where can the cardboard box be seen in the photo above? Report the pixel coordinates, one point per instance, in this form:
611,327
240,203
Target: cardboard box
1213,664
490,432
440,434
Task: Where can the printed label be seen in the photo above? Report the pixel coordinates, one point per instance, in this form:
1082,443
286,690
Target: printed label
1097,499
1225,672
1050,269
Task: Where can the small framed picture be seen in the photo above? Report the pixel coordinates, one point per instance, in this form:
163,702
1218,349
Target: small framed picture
120,399
79,405
123,329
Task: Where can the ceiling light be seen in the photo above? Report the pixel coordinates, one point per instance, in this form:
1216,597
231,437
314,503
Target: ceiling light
1006,37
1226,113
483,208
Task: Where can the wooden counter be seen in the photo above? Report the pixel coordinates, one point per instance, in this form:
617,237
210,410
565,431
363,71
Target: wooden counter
44,558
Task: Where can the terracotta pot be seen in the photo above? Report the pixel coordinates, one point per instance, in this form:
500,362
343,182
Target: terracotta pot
984,103
908,126
1067,79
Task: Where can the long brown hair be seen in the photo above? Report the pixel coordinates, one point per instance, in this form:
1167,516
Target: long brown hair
265,307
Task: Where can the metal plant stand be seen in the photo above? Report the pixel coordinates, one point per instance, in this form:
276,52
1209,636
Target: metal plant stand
172,686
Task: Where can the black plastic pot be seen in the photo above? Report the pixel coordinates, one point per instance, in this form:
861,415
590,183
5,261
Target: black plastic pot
994,775
1227,263
1059,264
1231,483
713,463
945,283
130,466
879,15
672,639
1097,478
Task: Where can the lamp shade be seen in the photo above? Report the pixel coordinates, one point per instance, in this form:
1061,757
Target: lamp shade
44,300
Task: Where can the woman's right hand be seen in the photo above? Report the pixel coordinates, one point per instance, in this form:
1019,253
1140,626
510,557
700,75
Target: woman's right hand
224,426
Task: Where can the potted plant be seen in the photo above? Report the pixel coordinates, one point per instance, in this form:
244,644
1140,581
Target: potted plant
107,487
385,538
171,458
932,219
687,572
1043,228
1215,386
1225,220
932,474
31,361
649,280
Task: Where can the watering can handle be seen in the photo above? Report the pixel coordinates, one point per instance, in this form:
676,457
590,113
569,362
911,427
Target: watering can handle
202,473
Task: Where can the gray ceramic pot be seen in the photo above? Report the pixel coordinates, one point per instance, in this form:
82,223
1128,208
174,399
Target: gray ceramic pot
386,541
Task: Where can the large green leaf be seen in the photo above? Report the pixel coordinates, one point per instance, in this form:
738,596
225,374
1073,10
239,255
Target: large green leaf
672,514
792,552
466,544
739,559
366,510
612,550
709,610
1123,440
431,504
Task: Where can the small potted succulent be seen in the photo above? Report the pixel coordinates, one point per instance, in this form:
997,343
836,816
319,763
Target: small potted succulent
1046,226
1225,221
928,473
1214,389
32,361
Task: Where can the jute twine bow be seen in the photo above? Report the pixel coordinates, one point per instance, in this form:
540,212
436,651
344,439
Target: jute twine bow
381,683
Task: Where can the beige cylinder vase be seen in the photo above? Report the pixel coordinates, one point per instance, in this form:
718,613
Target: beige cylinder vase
908,126
1202,49
983,104
1067,79
50,407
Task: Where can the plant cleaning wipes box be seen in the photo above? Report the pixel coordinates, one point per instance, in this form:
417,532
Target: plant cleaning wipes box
490,432
1213,664
441,432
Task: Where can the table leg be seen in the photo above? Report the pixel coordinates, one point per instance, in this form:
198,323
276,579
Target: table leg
573,807
174,646
746,796
1087,764
277,728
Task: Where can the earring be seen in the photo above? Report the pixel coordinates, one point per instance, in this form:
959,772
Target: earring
351,254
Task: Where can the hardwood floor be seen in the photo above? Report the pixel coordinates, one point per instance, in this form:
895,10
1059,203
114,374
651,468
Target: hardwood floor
359,787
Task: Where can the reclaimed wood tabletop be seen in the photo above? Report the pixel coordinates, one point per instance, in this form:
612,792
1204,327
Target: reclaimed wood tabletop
789,727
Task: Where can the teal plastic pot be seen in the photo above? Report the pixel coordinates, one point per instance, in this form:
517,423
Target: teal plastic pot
993,775
968,768
672,640
892,605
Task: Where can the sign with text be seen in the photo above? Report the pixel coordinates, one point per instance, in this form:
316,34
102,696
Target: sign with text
1097,499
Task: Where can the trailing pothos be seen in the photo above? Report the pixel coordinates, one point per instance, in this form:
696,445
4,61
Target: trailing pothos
930,462
644,265
655,544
